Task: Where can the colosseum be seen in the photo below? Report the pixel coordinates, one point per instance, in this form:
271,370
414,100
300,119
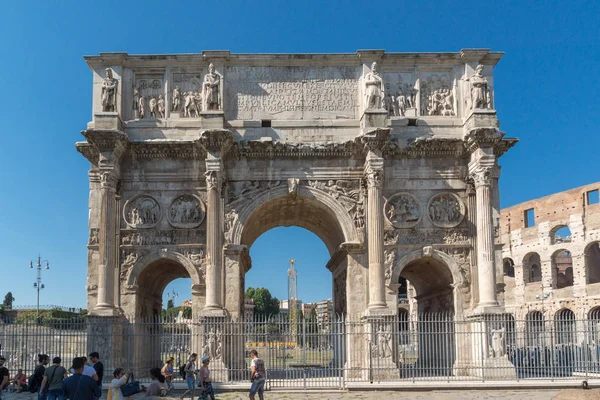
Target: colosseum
551,257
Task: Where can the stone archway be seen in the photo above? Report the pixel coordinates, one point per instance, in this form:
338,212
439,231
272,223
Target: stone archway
145,281
306,207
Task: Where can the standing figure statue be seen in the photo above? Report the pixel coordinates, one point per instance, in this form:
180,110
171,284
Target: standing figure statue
176,104
374,88
141,107
153,107
210,89
479,89
136,98
498,349
383,343
109,92
161,106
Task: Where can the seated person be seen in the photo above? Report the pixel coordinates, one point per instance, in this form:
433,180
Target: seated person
19,381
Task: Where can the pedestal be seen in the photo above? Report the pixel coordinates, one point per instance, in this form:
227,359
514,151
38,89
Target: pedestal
212,120
106,336
373,119
410,113
107,121
498,369
382,349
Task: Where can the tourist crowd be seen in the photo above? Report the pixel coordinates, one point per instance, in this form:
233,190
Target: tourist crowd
83,381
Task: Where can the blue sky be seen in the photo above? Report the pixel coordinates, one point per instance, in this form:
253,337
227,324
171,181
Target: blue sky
547,94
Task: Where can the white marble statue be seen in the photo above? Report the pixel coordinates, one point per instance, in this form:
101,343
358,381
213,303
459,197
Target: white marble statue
479,89
176,103
374,88
109,92
210,89
497,346
161,106
153,107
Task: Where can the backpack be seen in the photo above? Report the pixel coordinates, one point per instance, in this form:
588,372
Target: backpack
163,391
182,371
33,383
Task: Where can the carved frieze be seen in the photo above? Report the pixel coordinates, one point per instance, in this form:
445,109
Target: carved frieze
197,257
186,211
291,92
269,149
462,257
186,97
230,218
400,94
445,210
238,191
437,95
339,294
414,236
142,211
402,210
148,97
128,260
94,237
132,237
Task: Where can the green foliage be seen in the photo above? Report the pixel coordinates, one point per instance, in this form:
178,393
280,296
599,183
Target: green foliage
8,301
170,304
172,313
264,303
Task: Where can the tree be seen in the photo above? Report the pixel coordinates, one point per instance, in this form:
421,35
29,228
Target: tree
265,304
170,304
8,301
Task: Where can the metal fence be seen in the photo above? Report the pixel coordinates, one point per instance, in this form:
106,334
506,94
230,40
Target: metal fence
302,354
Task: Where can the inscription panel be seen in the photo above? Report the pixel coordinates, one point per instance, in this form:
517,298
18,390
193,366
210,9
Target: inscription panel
291,92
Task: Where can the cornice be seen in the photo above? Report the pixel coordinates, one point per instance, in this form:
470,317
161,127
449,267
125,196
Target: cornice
426,148
88,151
504,145
150,150
272,149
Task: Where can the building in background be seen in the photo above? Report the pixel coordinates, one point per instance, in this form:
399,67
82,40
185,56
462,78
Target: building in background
324,312
249,307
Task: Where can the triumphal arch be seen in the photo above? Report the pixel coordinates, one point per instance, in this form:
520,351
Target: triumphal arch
390,158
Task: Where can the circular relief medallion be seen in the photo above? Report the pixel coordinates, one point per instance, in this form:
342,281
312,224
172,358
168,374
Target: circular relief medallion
445,210
142,211
186,211
403,210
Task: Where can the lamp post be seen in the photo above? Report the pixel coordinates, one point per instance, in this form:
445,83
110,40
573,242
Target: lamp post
38,285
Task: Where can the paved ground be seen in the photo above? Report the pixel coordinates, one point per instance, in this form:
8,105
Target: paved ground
568,394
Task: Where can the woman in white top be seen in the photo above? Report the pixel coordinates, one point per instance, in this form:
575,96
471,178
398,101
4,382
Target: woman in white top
114,389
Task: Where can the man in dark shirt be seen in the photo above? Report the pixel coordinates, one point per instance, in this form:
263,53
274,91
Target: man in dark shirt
98,366
3,375
79,386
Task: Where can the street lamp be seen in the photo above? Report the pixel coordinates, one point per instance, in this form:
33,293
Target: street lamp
38,285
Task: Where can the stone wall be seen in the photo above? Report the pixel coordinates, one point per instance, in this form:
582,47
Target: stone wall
555,263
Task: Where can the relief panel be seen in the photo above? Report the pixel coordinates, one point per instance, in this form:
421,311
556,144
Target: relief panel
291,92
445,210
437,94
142,211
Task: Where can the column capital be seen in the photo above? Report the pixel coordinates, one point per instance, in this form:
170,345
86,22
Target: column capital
214,180
482,177
109,179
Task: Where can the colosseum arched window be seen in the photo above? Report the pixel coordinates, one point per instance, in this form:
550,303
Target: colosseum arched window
592,262
532,271
560,234
564,326
562,269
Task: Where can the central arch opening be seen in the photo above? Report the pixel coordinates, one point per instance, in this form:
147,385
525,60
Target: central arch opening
306,329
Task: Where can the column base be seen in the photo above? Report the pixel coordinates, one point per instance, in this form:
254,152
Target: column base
106,310
491,308
378,311
212,119
213,312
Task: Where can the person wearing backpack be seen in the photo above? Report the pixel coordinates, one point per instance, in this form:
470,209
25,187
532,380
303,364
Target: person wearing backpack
35,380
258,376
52,383
190,375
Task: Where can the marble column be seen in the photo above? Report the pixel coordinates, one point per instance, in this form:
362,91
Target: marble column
214,241
472,227
106,241
374,177
486,273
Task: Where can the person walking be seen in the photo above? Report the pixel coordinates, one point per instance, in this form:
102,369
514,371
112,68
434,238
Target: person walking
79,386
87,369
205,382
38,376
167,371
190,375
258,376
52,383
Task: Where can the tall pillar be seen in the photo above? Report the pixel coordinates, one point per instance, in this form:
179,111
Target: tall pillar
472,227
374,177
109,146
216,144
486,271
107,245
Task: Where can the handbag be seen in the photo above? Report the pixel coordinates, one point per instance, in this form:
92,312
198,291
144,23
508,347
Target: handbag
130,388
